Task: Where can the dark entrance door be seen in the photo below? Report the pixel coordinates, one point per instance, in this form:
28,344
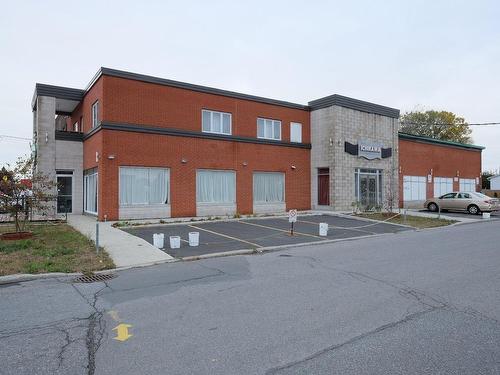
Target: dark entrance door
64,194
323,186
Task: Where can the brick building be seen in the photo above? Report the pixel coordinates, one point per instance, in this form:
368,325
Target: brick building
134,146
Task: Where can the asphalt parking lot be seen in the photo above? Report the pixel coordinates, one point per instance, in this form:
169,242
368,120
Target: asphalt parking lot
224,236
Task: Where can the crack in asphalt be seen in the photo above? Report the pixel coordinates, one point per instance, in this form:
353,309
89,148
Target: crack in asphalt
429,302
352,340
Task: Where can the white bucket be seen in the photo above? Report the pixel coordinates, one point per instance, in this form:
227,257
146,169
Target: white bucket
194,238
486,215
175,242
159,240
323,229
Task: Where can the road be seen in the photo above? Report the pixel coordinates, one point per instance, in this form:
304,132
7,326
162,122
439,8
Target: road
423,302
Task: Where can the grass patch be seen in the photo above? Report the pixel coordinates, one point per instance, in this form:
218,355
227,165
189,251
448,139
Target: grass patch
53,248
413,221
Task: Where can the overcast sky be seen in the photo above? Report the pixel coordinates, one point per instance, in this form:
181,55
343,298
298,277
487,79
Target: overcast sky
442,55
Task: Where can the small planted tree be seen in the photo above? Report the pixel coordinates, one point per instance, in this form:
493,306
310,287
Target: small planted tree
23,192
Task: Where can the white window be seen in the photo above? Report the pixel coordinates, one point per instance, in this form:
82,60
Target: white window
215,122
95,114
90,192
268,187
268,129
414,188
144,186
468,184
75,127
295,132
215,186
442,185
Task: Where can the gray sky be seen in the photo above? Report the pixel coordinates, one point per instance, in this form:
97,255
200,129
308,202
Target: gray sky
442,55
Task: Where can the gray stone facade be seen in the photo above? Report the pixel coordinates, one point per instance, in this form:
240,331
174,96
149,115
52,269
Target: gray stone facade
331,127
56,155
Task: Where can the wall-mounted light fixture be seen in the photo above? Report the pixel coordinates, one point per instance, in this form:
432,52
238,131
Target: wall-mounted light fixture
431,171
339,143
331,142
111,157
184,161
46,137
458,173
96,156
400,169
293,167
244,163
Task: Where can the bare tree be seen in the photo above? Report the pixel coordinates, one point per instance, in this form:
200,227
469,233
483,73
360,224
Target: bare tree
23,191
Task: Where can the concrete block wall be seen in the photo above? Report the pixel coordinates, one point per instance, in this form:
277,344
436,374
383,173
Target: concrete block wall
330,128
44,139
69,156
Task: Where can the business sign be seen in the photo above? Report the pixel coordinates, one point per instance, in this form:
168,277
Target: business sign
369,151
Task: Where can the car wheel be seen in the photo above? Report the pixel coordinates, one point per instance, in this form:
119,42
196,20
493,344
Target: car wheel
473,209
432,207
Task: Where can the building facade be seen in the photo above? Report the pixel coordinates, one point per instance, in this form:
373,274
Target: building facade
431,168
131,146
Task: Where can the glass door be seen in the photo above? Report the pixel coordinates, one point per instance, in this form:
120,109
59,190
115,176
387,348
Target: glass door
369,188
64,194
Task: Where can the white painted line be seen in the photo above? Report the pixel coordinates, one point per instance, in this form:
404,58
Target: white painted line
280,230
225,235
337,227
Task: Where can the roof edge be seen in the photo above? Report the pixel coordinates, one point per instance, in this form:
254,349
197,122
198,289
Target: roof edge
189,86
356,104
59,92
419,138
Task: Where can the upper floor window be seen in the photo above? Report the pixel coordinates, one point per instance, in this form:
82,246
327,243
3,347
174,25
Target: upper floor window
95,114
215,122
269,129
76,128
295,132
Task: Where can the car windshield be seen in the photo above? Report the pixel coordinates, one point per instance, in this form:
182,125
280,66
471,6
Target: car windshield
480,195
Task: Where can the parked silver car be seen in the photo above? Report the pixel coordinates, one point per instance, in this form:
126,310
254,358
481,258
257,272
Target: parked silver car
472,202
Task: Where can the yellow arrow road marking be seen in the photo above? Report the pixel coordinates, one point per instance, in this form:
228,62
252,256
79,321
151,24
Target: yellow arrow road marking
122,332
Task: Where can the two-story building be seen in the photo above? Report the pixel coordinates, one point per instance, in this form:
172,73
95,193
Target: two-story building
132,146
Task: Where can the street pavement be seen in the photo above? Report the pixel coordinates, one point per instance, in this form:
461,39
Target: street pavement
415,302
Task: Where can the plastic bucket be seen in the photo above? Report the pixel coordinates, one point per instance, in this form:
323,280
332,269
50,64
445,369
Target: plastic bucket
159,240
486,215
175,242
323,229
194,238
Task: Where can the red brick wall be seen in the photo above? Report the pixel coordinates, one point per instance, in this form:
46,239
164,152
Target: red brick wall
143,103
84,109
417,159
135,149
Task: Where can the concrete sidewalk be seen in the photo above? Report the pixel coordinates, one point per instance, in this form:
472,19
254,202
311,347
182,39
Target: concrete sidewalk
434,215
125,249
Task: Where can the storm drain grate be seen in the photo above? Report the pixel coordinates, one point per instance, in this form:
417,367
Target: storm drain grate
94,278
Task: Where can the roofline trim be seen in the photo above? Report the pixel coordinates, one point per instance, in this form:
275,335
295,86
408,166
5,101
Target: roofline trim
193,87
58,92
356,104
191,134
418,138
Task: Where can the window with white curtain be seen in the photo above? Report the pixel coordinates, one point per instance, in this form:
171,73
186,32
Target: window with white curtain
90,191
268,129
295,132
442,185
215,122
268,187
95,114
414,188
214,186
144,186
468,184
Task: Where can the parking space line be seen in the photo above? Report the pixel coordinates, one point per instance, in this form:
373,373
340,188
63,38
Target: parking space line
280,230
225,235
337,227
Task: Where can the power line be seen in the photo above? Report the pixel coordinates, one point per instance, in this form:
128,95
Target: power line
14,137
443,124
